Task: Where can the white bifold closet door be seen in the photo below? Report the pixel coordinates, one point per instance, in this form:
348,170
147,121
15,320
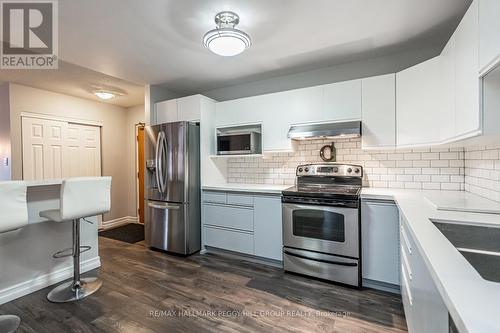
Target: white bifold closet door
57,149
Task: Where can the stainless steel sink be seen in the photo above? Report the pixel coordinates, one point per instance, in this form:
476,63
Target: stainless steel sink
479,245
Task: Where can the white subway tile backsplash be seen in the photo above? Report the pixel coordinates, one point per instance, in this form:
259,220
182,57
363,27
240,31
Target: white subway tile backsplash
430,156
451,186
421,164
430,171
395,157
413,185
404,164
440,163
419,168
482,175
449,156
422,178
412,156
431,186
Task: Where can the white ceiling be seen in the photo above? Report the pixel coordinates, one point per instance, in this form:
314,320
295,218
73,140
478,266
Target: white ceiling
159,41
77,81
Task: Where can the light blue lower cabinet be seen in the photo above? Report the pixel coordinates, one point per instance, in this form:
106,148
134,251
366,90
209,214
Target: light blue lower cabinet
246,223
232,240
380,244
268,234
228,216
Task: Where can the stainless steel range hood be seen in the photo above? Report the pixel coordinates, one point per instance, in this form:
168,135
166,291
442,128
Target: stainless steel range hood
349,129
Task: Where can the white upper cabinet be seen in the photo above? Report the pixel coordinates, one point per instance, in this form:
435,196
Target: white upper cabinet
489,36
447,114
278,111
166,111
239,111
379,111
302,105
342,101
189,108
277,115
181,109
283,109
419,103
467,87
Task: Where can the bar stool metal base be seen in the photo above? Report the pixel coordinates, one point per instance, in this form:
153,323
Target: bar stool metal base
9,323
66,292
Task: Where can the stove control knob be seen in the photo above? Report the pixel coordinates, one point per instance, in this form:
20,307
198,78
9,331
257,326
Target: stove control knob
349,170
307,169
300,169
356,170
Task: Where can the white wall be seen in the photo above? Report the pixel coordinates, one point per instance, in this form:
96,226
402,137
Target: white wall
152,94
4,131
135,115
113,119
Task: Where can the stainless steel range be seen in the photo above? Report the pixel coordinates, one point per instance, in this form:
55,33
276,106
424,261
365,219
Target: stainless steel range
321,222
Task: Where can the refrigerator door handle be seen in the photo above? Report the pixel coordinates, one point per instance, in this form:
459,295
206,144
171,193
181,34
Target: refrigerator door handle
164,151
157,161
158,206
160,163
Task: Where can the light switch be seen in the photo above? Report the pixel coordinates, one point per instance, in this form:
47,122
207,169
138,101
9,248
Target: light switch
5,161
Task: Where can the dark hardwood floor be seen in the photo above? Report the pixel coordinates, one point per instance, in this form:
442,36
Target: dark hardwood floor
147,291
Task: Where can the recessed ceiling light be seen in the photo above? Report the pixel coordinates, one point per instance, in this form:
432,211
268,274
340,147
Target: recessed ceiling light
225,40
102,94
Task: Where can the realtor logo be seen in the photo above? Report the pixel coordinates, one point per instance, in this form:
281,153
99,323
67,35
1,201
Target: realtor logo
29,34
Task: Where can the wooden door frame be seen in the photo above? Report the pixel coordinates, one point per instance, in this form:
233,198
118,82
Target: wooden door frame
136,174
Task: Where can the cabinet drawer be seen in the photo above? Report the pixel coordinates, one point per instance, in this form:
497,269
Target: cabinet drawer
229,240
405,240
405,262
239,199
228,216
405,287
217,197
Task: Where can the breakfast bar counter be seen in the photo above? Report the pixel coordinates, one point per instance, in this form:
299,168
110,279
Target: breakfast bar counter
26,254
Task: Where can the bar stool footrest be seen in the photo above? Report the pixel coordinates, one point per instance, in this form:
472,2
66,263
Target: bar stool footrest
69,252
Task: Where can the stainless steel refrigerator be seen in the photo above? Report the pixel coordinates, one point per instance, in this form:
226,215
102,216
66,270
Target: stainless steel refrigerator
172,207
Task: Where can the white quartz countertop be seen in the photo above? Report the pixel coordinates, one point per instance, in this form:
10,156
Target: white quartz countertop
472,301
464,202
252,188
48,182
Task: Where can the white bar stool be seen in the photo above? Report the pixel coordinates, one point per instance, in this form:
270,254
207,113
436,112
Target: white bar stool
13,216
80,198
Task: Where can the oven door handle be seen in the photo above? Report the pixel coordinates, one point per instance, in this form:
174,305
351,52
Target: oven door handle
322,260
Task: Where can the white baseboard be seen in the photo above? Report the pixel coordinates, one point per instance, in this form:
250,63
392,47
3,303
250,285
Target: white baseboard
119,221
30,286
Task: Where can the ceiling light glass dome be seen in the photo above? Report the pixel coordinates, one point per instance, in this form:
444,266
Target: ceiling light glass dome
225,40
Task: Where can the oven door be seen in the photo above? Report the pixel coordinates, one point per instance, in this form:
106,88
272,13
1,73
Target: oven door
332,230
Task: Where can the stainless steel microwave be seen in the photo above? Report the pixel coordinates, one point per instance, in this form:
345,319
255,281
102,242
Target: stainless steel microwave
238,142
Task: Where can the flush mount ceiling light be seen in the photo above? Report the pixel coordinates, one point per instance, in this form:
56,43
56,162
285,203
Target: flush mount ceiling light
225,40
104,94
